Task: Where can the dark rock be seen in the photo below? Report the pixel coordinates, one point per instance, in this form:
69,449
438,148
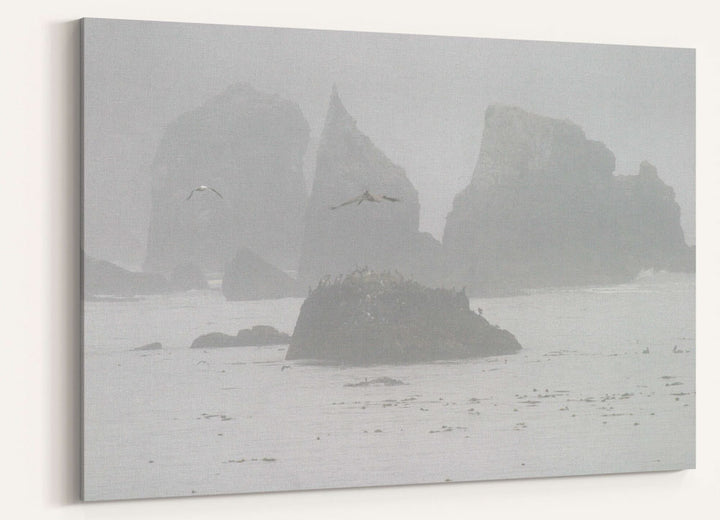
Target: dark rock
381,235
185,277
249,277
369,318
261,335
215,340
150,346
258,336
248,146
107,279
544,208
647,222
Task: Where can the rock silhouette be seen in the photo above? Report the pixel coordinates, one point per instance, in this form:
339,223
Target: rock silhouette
544,209
368,318
102,278
248,146
381,236
249,277
150,346
214,340
259,335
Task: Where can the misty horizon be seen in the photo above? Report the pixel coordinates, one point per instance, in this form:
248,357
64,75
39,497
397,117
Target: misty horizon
429,122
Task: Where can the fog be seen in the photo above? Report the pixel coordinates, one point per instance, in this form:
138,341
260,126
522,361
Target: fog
231,171
421,99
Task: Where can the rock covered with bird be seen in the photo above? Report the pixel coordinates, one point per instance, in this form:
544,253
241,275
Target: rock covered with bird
366,318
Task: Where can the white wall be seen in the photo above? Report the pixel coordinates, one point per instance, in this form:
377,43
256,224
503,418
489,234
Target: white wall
40,413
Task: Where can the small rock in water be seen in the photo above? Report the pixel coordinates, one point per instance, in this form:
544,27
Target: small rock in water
214,340
150,346
259,335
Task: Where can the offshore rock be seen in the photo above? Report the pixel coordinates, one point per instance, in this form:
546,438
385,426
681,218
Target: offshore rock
248,146
249,277
381,235
258,336
214,340
368,318
150,346
102,278
261,335
544,209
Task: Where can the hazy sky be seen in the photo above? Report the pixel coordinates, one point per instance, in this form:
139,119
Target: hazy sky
420,99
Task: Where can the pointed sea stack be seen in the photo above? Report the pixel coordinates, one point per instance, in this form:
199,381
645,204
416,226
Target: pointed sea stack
544,209
381,236
249,147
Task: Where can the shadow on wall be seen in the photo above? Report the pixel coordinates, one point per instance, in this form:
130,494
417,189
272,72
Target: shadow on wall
63,359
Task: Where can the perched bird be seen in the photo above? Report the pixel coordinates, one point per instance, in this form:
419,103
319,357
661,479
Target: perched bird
366,196
204,188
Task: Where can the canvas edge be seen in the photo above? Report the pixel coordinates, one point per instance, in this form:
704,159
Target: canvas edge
81,108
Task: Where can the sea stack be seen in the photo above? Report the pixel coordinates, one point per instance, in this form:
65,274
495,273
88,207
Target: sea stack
380,236
544,209
247,145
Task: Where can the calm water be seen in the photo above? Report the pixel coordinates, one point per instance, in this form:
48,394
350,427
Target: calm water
582,397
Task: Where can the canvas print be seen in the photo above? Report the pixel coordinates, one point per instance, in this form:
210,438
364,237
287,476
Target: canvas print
324,259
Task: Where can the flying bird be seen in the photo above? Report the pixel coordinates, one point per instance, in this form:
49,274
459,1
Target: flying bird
366,196
204,188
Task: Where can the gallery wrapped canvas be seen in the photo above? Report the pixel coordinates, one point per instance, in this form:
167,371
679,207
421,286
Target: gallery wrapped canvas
323,259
